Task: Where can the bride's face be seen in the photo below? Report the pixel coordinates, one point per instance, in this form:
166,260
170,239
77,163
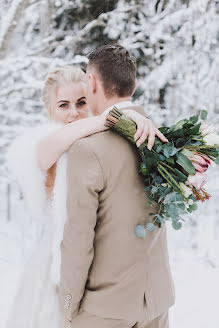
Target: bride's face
70,103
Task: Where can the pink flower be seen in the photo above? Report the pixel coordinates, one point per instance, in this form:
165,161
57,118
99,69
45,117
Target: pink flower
207,129
197,180
200,162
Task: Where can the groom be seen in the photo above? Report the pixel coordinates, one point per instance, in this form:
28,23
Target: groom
110,278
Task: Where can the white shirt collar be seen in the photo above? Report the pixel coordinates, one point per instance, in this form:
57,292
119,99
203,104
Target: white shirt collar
119,105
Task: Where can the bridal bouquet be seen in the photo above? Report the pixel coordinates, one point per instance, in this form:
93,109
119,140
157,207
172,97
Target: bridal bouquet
174,172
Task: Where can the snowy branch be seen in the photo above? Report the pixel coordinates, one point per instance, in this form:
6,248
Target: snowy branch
10,22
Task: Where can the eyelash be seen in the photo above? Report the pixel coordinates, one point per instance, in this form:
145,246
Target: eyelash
63,105
80,104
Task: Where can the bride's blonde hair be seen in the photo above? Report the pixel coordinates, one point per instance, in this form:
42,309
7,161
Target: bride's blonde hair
58,77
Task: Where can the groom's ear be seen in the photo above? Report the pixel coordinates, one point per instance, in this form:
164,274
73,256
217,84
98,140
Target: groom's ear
136,83
93,82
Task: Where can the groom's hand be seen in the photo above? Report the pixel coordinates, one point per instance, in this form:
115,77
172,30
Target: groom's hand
145,129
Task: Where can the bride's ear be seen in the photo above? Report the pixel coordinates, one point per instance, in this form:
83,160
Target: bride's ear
93,82
136,83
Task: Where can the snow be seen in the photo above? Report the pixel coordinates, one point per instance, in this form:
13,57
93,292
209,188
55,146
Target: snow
197,292
176,47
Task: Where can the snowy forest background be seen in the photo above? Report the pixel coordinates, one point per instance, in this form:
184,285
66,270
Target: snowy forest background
175,43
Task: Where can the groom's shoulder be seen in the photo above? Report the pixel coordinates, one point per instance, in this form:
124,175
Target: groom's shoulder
100,142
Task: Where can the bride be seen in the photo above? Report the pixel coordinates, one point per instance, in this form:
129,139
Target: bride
37,160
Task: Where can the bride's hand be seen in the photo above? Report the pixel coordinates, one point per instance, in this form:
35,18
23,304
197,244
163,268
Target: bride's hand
145,129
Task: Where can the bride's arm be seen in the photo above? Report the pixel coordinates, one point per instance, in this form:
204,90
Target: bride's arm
54,145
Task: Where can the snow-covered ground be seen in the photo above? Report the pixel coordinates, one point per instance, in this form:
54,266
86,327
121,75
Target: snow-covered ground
197,290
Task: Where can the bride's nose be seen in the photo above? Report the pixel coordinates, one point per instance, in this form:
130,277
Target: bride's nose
74,112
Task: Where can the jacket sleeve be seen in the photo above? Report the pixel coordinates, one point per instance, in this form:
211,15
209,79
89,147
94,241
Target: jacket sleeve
84,183
22,164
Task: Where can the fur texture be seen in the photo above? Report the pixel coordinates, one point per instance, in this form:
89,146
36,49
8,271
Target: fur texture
23,165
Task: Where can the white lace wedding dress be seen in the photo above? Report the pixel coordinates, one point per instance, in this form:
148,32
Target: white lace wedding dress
36,304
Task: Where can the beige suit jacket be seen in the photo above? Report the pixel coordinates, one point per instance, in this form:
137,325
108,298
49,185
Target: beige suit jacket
106,269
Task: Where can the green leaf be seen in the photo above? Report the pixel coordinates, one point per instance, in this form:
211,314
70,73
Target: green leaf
170,197
158,179
179,198
181,175
152,214
164,129
154,190
192,197
166,153
187,152
193,119
159,148
195,129
144,169
173,151
177,133
180,142
150,197
150,226
161,157
179,124
183,161
170,160
193,207
176,225
203,114
181,206
167,190
216,160
160,218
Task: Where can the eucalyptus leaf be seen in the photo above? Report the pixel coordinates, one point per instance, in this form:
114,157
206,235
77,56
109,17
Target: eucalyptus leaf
203,115
193,207
180,142
176,225
144,169
150,226
166,153
161,157
193,119
159,148
179,124
158,179
140,231
173,151
160,218
171,196
195,130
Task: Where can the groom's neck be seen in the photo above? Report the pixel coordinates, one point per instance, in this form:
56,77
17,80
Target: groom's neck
106,103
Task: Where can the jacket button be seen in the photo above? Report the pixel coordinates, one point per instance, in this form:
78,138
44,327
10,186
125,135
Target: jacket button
68,297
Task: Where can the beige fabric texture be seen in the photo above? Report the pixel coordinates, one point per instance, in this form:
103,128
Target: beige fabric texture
106,270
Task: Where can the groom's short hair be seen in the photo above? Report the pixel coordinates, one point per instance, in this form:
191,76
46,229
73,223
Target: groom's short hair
116,68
